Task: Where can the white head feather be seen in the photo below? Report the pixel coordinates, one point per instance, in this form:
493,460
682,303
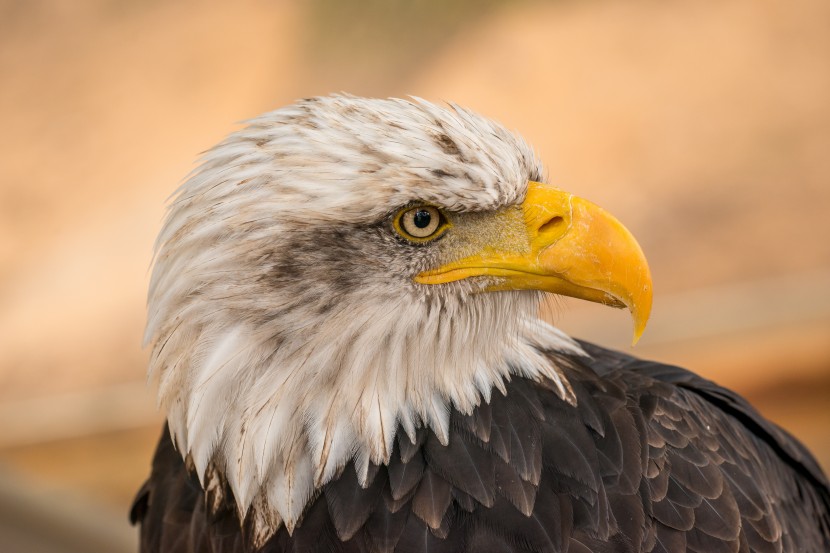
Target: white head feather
288,336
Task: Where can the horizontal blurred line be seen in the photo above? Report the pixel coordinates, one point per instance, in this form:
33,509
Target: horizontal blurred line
34,517
714,312
116,407
744,307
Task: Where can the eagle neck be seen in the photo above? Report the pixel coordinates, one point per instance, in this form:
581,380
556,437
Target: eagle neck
276,415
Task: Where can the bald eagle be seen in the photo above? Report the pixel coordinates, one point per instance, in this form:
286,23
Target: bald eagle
343,319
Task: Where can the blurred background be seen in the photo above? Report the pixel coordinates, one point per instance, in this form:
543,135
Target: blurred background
703,125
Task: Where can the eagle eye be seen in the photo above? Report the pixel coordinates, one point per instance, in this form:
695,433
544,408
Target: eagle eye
420,223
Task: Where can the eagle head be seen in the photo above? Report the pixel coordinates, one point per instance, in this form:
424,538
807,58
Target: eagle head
344,269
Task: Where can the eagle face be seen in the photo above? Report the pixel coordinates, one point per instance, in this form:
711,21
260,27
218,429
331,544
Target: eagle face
344,267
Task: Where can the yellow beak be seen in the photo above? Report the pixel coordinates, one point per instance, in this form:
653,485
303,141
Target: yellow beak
573,248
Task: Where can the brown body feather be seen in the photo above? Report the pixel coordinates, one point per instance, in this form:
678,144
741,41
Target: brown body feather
651,459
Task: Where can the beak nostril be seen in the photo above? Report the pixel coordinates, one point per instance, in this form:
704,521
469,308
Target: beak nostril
551,224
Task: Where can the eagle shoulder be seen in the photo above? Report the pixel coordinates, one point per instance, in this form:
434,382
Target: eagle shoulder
651,458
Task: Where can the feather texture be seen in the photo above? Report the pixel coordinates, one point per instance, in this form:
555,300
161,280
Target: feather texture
594,493
287,334
319,398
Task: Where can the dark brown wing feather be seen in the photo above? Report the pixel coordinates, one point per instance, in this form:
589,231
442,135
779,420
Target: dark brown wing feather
652,459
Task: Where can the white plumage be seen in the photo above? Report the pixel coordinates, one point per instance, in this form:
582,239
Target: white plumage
277,382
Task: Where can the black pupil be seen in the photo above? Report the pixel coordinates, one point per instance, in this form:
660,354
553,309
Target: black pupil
422,218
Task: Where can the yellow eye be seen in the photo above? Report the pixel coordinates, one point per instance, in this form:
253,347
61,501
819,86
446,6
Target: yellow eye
420,223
